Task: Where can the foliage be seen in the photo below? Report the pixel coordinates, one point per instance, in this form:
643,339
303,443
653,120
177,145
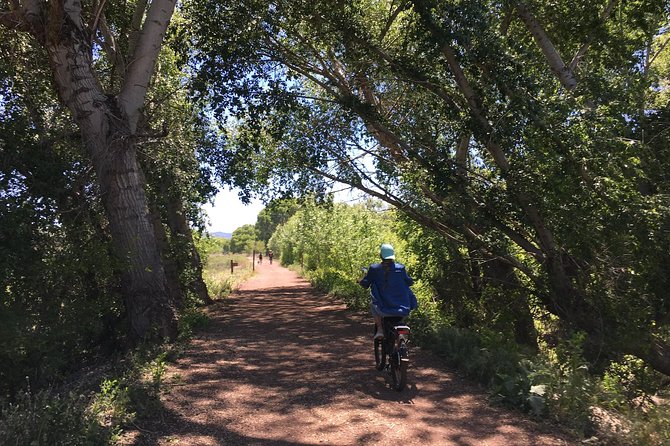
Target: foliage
127,392
277,212
566,387
626,381
244,240
191,320
339,284
455,113
547,381
44,418
336,236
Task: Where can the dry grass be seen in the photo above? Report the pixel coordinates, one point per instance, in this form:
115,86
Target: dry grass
220,282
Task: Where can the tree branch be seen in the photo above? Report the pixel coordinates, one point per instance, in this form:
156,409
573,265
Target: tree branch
585,46
653,58
96,18
111,48
394,15
563,72
141,67
135,26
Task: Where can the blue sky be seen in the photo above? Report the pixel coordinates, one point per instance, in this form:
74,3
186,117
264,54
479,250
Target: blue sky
229,213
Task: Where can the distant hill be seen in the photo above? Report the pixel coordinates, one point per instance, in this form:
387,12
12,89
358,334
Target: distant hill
222,234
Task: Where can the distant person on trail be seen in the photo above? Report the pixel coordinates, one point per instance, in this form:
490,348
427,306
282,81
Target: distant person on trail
270,255
260,257
389,288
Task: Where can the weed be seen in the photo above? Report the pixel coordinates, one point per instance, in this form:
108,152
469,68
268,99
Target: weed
47,418
157,370
651,428
190,320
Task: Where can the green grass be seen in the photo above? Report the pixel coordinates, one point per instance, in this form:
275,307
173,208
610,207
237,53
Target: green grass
220,282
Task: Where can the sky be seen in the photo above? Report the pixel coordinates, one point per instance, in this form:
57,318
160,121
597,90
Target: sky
229,213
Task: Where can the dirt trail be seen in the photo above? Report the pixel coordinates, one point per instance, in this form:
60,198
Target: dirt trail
282,364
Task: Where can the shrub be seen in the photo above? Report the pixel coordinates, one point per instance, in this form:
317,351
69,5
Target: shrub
190,320
47,418
651,428
567,386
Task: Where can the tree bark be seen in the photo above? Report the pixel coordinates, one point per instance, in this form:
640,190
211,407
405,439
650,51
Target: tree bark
106,132
657,355
147,300
181,230
169,264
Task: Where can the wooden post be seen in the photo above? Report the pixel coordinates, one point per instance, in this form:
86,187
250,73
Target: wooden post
231,266
253,260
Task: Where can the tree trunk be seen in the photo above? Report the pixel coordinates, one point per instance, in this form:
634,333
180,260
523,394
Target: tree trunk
106,132
169,264
149,309
181,229
181,232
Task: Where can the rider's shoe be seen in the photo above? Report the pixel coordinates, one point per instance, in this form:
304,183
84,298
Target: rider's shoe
379,335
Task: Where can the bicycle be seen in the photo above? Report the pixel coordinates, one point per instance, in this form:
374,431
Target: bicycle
395,346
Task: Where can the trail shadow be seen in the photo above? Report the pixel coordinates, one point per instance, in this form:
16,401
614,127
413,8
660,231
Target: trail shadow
174,429
290,355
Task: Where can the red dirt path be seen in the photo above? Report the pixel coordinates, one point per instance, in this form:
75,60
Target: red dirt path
281,364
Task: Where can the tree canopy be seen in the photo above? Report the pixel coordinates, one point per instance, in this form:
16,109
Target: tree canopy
244,239
521,148
529,135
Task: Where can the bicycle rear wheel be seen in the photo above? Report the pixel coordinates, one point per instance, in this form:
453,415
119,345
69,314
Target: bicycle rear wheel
399,363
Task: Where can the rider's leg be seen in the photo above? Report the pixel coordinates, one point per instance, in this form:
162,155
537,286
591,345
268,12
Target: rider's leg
378,321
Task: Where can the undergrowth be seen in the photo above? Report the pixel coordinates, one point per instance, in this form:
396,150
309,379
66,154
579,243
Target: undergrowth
555,384
126,393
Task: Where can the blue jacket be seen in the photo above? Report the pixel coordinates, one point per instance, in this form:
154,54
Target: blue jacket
390,290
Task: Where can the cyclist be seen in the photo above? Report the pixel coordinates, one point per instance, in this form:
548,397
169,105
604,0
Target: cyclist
389,288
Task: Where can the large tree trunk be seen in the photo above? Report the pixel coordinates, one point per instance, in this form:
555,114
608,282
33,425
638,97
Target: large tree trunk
106,133
150,310
181,230
169,264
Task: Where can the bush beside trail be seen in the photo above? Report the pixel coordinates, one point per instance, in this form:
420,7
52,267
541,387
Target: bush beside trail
329,244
